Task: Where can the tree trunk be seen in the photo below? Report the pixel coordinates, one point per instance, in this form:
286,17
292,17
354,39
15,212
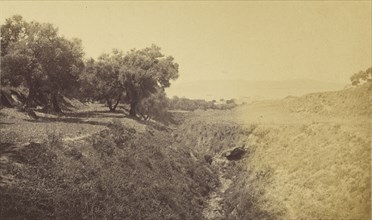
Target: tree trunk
109,104
30,100
132,111
117,102
55,104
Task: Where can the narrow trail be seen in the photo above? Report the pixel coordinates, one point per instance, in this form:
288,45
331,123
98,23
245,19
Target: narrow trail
76,138
215,210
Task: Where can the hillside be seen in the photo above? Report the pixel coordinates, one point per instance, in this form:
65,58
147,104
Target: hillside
351,102
97,165
249,90
302,157
312,153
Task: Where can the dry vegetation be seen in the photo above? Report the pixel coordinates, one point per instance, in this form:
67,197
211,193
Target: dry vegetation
306,158
130,171
150,157
315,170
312,155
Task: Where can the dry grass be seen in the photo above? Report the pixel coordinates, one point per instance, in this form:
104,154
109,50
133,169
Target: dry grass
118,173
316,170
316,166
307,158
213,134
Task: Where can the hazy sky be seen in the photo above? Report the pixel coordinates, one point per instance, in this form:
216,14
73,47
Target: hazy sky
272,40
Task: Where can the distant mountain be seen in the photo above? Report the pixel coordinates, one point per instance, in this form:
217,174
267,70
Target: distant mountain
249,90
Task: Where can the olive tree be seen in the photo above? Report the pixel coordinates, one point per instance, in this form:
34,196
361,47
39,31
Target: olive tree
41,60
100,80
145,72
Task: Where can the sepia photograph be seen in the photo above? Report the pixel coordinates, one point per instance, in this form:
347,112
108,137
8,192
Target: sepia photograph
186,110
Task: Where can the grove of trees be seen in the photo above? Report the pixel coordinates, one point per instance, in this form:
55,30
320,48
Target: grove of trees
35,56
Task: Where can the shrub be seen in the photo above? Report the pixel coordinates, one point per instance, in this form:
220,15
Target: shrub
104,143
121,134
54,138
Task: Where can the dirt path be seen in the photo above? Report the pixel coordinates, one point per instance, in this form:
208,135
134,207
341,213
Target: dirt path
76,138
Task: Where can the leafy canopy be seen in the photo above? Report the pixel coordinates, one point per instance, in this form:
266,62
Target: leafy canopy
361,76
100,80
34,55
144,72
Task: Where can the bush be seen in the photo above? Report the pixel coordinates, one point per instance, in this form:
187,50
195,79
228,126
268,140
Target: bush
155,106
361,77
121,134
104,143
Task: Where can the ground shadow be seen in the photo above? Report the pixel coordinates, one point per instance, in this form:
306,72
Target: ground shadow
67,120
96,114
6,123
81,118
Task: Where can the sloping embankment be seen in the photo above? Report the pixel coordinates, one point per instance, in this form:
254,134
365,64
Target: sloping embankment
306,158
217,141
277,160
312,154
118,173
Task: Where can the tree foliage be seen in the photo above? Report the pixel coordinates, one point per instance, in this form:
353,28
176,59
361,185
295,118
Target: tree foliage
144,72
361,77
35,56
138,77
100,80
14,29
155,106
38,58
